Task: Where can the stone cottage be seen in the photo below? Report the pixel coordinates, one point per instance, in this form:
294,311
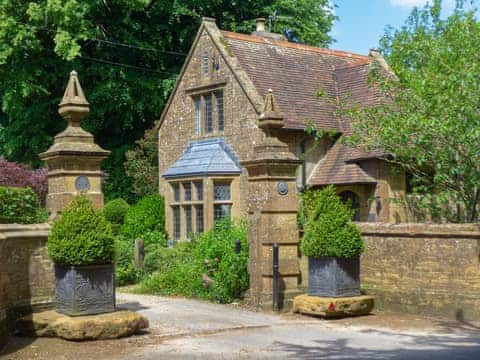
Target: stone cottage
209,127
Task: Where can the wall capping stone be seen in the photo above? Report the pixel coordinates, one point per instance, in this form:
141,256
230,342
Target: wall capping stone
420,230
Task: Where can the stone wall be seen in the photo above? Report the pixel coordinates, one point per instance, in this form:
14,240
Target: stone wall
26,273
423,269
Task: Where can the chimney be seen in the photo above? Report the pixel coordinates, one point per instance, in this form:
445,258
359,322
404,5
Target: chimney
260,24
261,32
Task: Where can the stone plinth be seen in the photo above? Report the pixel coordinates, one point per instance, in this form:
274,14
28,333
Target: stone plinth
74,160
333,307
98,327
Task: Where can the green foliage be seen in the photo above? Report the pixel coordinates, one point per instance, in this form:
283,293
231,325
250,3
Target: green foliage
115,210
142,164
146,216
429,119
21,206
207,267
125,271
329,230
81,236
42,41
308,203
174,271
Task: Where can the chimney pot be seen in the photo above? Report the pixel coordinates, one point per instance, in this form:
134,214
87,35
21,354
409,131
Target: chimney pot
260,24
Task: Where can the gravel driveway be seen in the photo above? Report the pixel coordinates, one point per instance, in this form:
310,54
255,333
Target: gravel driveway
191,329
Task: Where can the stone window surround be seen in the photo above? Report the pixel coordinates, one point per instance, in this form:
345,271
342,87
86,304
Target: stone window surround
200,93
208,203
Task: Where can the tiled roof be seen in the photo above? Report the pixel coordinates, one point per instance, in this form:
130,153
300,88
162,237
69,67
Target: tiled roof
334,169
205,157
296,73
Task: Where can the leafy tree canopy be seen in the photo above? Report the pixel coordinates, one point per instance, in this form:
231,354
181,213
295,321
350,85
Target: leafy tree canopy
127,85
429,120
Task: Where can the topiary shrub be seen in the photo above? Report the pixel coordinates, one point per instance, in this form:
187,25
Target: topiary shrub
20,205
115,210
81,236
329,230
147,215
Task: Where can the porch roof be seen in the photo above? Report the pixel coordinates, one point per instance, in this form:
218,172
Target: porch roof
205,157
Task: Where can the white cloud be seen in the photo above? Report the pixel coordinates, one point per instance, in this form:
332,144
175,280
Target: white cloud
408,3
446,4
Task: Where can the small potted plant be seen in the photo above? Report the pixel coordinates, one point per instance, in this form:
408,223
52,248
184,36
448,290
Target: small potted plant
81,245
333,245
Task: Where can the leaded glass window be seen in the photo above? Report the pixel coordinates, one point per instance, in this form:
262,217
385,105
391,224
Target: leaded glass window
219,101
221,211
188,220
176,222
198,116
199,190
221,191
176,192
199,218
187,191
208,114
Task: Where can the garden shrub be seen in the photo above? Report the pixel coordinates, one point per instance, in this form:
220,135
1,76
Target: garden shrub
329,230
147,215
81,236
18,175
115,210
207,267
20,205
125,271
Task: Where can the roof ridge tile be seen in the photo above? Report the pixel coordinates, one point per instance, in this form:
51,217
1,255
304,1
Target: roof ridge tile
287,44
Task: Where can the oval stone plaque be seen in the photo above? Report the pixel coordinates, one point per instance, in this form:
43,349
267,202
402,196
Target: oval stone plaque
282,188
82,183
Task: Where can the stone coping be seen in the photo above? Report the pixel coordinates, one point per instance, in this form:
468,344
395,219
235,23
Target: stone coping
24,230
420,230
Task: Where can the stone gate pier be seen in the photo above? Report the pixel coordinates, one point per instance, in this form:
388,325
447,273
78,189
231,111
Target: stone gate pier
272,212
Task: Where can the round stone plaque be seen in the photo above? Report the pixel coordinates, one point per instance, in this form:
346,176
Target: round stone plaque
282,188
82,183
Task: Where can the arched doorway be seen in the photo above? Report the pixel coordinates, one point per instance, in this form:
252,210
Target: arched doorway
349,197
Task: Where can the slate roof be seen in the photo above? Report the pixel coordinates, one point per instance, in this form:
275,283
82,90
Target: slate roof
334,169
205,157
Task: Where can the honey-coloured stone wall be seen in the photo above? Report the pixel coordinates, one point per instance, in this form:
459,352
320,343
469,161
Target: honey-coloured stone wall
423,269
26,273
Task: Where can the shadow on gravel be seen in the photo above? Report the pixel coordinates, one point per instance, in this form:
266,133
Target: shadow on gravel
410,346
133,306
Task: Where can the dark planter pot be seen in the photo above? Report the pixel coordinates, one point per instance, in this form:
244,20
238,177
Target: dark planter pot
85,290
333,277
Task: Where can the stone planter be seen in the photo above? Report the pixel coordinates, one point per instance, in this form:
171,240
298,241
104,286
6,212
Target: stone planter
85,290
333,277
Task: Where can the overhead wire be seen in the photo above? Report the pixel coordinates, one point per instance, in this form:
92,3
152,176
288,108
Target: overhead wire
118,64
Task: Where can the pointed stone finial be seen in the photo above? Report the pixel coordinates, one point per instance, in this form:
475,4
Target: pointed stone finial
270,106
74,105
271,116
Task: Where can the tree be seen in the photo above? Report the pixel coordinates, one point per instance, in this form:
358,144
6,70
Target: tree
429,118
127,53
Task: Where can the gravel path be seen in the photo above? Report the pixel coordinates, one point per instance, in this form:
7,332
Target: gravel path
191,329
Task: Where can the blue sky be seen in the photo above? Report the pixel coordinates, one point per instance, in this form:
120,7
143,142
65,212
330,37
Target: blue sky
363,22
